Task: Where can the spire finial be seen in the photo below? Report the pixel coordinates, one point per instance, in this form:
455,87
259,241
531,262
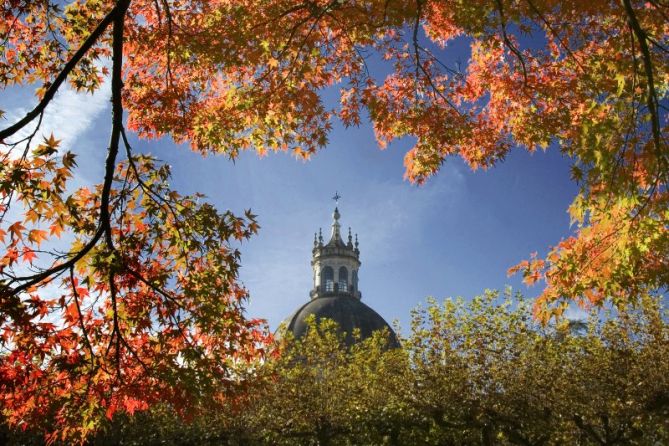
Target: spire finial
335,227
350,239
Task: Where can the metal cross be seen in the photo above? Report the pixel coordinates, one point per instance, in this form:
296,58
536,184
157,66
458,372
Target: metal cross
336,197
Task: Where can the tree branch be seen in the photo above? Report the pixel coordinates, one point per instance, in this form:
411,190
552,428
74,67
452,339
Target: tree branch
651,97
507,41
69,66
82,325
104,228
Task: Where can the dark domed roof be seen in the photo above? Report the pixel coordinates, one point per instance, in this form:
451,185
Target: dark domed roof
347,311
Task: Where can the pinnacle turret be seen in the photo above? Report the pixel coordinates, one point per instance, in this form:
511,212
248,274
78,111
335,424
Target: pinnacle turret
336,263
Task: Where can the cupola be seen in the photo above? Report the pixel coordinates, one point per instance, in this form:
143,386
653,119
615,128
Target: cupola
335,264
335,294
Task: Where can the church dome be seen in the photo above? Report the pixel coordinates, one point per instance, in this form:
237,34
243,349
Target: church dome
349,313
335,294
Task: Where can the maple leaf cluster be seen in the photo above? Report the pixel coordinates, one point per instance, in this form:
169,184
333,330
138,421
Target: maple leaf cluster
587,78
117,296
156,316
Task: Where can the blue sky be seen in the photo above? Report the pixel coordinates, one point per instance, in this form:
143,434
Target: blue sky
455,236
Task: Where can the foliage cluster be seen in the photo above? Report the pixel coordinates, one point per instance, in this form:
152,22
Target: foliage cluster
481,372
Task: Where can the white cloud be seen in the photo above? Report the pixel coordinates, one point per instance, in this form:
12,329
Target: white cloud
576,313
68,116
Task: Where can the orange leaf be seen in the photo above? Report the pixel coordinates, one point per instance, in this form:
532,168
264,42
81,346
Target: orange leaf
56,229
17,229
131,405
29,255
51,141
110,411
72,312
37,236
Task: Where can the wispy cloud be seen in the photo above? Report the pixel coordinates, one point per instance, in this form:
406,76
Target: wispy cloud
68,116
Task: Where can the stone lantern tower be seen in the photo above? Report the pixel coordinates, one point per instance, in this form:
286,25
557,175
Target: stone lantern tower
335,294
335,264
